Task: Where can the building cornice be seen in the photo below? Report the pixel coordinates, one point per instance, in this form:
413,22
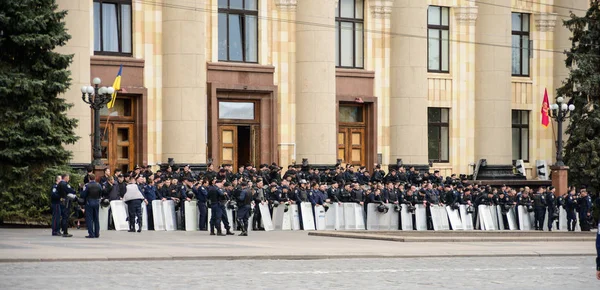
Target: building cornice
466,15
545,22
286,5
381,9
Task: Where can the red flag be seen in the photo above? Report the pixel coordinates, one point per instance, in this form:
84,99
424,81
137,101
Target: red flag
545,107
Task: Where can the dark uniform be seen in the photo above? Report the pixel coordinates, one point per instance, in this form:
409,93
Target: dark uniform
150,194
215,218
552,208
539,207
65,206
92,193
55,205
201,195
244,201
570,204
585,207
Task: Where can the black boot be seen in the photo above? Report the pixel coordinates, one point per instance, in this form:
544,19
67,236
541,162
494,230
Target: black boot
219,233
229,232
131,227
140,224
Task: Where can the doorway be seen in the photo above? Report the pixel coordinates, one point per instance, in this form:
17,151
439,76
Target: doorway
352,134
239,144
117,134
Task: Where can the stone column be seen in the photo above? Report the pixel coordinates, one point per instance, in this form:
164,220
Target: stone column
184,82
408,84
463,99
79,24
316,128
493,83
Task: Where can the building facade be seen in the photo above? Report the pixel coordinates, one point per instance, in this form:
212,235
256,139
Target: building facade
441,82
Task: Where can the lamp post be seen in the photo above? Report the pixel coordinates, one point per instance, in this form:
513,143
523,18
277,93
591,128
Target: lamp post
560,112
96,97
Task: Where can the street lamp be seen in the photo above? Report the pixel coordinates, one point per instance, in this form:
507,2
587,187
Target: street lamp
560,112
97,97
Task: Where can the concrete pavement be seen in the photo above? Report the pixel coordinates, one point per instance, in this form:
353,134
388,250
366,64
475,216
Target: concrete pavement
39,245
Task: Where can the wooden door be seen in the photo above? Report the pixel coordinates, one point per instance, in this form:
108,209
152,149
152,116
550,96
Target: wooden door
118,147
228,145
351,145
255,145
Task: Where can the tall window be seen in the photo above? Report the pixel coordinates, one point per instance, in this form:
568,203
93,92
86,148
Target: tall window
349,23
520,44
438,30
438,134
112,27
520,135
238,30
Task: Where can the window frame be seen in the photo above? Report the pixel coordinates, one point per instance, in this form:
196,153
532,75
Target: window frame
338,23
242,13
520,126
439,27
522,33
119,3
440,124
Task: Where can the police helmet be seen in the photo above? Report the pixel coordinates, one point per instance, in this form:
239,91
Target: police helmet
397,208
105,202
382,208
470,209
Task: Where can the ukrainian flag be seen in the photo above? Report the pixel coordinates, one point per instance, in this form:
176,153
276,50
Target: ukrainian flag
117,86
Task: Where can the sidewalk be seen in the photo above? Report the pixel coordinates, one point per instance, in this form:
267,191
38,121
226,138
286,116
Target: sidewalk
21,245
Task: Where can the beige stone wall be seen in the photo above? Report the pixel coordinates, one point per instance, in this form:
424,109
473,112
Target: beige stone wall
479,90
316,129
184,82
79,25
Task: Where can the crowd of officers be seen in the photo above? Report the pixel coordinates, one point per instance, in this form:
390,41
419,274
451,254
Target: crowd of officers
223,188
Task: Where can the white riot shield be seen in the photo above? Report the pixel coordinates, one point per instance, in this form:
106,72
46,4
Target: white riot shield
103,217
445,224
158,216
406,217
232,221
287,218
209,216
532,219
394,218
494,215
421,217
277,220
359,213
384,218
169,215
295,217
320,217
486,216
144,217
331,217
562,219
349,216
119,214
466,218
372,217
577,225
512,219
266,217
191,215
524,221
251,218
545,225
436,218
308,219
454,217
500,218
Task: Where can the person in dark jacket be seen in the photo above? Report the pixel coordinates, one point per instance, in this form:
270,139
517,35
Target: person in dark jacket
55,205
150,194
65,191
92,192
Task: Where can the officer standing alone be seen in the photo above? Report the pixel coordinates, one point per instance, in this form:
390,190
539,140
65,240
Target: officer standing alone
55,205
91,193
244,202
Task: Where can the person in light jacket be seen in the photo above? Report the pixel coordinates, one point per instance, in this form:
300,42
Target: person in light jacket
133,198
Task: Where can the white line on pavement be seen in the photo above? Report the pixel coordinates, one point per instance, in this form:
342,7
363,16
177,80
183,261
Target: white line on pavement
416,270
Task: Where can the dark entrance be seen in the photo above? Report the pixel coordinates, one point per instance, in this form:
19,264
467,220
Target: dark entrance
244,152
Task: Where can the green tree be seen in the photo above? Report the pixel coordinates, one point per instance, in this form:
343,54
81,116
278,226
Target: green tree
33,121
582,87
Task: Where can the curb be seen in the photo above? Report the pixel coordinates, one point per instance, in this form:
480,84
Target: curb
293,258
452,239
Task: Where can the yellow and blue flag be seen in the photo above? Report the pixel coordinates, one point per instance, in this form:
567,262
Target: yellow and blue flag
117,86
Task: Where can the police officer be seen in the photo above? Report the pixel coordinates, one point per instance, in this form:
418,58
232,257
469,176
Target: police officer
570,204
91,194
150,194
551,204
259,198
585,206
214,192
55,205
185,194
66,193
244,201
539,207
201,192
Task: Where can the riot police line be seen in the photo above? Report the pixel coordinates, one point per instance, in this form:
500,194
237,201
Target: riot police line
341,199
